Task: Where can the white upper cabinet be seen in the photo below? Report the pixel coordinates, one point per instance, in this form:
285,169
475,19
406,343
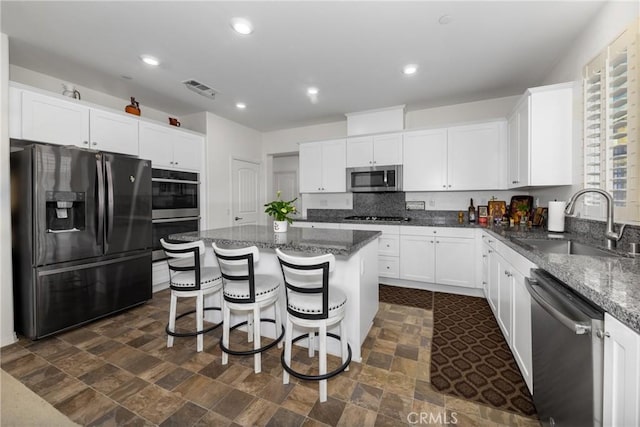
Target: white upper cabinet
425,160
376,150
113,132
323,167
48,119
540,138
459,158
476,156
170,148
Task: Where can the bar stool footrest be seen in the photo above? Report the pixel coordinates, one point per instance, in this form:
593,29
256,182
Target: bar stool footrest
196,333
326,376
252,351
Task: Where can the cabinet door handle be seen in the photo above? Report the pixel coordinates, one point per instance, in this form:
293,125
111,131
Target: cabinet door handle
85,142
431,241
95,143
514,182
449,185
490,251
238,218
387,267
388,246
444,186
484,256
437,241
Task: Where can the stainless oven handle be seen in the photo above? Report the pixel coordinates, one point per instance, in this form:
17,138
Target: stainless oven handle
160,221
579,328
176,181
385,178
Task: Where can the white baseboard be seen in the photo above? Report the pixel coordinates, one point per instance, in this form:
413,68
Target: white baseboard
459,290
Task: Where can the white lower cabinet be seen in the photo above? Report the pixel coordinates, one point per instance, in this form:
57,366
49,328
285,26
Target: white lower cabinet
445,256
417,259
621,388
504,271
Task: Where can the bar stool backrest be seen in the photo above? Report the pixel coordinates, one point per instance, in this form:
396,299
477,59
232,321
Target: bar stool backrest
236,265
187,256
307,275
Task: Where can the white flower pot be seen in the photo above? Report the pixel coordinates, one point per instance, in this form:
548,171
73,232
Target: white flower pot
280,226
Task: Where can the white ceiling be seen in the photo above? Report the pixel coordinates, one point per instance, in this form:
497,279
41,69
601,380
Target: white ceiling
352,51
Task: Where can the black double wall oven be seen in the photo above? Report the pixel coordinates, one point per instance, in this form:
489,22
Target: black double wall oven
176,205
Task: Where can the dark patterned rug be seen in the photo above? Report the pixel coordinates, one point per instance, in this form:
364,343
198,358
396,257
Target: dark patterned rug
406,296
471,359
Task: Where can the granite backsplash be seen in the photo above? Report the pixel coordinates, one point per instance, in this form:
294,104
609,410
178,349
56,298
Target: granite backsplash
393,204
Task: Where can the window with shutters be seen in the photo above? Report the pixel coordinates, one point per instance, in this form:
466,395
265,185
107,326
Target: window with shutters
611,126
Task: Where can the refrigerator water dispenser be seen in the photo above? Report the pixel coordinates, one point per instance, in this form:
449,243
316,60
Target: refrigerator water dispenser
65,211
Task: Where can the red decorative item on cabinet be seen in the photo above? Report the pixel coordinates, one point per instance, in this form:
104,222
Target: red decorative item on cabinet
133,108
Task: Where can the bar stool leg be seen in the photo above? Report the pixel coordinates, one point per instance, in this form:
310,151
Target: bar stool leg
344,352
278,325
310,339
322,338
250,327
288,337
257,359
200,321
172,318
226,317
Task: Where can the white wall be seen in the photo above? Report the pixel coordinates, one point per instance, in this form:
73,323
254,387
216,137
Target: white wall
461,113
286,141
7,335
53,84
225,141
610,22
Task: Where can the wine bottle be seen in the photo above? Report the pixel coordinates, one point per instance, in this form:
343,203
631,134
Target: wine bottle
472,213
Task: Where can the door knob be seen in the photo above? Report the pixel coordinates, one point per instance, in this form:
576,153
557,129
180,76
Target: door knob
237,218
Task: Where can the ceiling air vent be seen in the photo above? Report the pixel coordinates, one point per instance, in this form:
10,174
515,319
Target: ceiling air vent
200,88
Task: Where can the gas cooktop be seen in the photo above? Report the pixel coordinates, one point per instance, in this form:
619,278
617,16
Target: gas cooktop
376,218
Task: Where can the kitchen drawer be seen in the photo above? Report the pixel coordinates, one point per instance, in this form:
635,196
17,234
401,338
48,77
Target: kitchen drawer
386,229
389,245
460,232
413,230
388,266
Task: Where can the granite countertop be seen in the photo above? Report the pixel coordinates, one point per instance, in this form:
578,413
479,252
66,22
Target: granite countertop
611,283
342,243
420,222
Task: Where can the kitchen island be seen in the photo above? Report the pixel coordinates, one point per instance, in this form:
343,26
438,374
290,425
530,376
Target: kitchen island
356,270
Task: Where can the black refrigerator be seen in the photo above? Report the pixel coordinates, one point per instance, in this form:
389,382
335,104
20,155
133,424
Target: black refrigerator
81,235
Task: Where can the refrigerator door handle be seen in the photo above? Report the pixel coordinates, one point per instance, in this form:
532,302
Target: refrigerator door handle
109,200
100,234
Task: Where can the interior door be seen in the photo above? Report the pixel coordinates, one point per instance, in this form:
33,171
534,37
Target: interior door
128,203
287,183
244,192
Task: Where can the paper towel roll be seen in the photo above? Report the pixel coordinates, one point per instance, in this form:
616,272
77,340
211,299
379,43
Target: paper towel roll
556,216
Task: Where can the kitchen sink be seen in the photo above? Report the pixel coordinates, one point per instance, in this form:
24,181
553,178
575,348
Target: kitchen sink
567,247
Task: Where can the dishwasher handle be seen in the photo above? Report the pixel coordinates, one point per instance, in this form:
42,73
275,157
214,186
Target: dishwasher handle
580,328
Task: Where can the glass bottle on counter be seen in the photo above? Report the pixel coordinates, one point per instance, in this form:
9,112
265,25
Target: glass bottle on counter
472,213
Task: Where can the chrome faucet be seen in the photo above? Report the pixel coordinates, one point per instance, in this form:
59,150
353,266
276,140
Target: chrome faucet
610,233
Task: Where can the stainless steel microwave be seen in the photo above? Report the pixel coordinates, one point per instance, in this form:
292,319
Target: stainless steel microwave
374,179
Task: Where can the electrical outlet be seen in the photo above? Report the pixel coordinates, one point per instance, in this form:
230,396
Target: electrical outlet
324,202
432,203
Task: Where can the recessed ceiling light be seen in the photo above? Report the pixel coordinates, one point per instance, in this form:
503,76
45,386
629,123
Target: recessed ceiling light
445,19
241,26
241,105
312,91
150,60
410,69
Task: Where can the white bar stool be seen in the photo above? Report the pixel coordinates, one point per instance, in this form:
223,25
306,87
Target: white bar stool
312,303
187,278
245,291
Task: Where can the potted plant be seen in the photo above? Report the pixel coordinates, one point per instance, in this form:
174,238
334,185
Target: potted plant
280,209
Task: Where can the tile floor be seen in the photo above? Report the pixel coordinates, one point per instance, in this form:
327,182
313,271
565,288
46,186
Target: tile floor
118,371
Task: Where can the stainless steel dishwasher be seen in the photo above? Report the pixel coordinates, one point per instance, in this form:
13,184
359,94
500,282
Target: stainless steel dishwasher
567,354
